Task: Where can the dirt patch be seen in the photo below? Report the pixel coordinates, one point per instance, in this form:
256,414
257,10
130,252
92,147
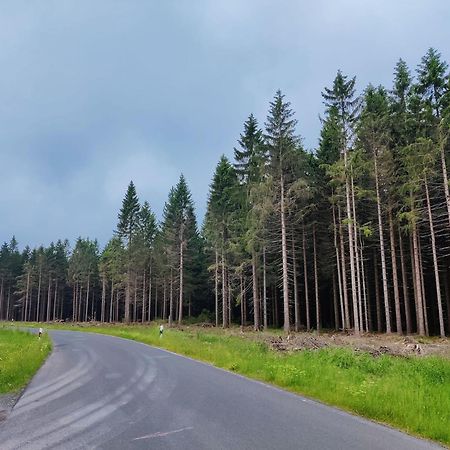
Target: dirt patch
376,345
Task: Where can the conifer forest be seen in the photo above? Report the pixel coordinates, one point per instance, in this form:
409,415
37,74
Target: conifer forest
353,235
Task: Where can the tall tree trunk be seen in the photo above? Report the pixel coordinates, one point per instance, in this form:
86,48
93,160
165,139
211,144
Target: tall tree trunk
398,317
102,313
8,303
305,272
2,294
111,303
49,299
264,289
350,220
444,175
422,283
338,268
171,300
27,295
87,298
365,304
55,298
344,275
357,261
156,300
150,286
405,286
165,299
294,275
135,298
382,251
435,263
180,313
39,296
229,298
377,292
216,288
335,303
287,320
418,284
316,281
241,283
256,311
144,288
224,293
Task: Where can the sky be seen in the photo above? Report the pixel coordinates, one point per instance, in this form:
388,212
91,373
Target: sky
94,94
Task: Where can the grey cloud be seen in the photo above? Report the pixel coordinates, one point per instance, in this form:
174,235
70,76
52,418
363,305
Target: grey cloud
94,94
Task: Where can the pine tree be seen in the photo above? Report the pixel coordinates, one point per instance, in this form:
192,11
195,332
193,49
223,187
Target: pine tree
282,144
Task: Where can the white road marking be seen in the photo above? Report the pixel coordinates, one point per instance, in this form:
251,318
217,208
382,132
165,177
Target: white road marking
162,433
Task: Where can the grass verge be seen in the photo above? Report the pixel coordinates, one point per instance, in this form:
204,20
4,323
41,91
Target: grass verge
409,393
21,355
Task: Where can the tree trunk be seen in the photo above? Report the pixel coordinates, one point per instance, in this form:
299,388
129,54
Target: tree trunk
435,263
377,292
422,282
87,299
398,317
55,298
287,320
127,298
264,288
445,177
344,275
357,261
316,281
241,283
165,299
180,313
150,285
294,275
224,293
335,304
365,304
305,271
338,268
39,295
382,251
111,303
405,286
27,296
256,312
216,288
49,299
135,299
144,288
171,300
351,247
418,284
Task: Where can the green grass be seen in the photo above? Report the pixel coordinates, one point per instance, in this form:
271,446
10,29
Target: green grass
412,394
21,355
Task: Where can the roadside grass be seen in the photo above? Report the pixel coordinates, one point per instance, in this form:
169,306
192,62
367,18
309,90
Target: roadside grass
409,393
21,355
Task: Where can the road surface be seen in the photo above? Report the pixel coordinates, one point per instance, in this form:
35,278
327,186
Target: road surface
98,391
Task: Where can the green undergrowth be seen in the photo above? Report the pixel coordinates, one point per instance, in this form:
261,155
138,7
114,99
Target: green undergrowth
410,393
21,355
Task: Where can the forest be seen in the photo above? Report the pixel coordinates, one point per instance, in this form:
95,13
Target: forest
353,235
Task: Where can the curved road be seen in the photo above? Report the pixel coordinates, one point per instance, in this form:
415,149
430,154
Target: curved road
98,391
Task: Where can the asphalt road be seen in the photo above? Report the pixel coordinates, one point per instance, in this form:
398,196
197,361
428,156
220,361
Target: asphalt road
98,391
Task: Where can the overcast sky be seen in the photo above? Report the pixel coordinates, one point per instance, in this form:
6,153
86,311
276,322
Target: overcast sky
96,93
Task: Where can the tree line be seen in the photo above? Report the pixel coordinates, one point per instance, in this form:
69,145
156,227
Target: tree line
353,235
